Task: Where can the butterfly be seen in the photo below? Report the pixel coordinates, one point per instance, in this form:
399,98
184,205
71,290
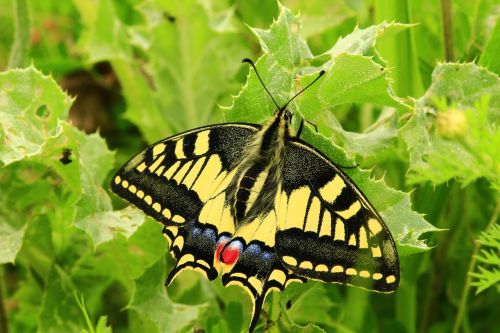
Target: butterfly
261,207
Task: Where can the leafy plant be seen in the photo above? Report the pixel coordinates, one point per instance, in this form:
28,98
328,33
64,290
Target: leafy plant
488,274
428,157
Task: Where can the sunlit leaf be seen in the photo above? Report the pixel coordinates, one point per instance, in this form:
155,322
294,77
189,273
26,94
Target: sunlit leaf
11,240
103,226
31,105
356,79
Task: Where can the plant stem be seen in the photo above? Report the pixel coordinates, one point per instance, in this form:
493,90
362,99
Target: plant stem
3,316
447,18
468,279
20,48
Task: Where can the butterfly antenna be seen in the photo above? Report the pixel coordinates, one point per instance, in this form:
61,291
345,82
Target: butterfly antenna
300,92
248,61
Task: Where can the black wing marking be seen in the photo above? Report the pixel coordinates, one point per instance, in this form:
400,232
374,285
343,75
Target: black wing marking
259,271
327,229
172,179
252,262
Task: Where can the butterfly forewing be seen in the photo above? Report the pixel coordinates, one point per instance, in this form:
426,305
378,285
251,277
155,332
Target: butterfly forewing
327,229
172,180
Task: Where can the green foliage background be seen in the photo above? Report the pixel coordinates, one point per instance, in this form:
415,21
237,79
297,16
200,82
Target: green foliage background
411,94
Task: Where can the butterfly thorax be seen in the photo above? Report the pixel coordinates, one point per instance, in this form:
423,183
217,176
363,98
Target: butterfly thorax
254,188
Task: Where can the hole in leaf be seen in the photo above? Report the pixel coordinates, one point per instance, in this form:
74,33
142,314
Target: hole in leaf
42,111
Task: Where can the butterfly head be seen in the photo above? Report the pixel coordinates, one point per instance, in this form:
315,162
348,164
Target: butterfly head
288,115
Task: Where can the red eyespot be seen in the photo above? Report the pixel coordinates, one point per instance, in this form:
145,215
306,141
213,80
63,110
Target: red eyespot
220,246
230,255
226,253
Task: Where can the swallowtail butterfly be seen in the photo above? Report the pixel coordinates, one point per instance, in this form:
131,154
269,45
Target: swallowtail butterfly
261,207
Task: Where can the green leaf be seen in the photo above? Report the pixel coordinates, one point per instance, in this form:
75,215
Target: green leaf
107,35
490,57
372,141
488,267
320,18
184,57
124,259
31,105
96,160
283,41
363,41
59,311
151,301
356,79
464,84
277,67
104,226
452,133
11,240
303,309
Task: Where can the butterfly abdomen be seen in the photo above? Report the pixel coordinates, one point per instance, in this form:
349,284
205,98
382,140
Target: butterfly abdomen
249,186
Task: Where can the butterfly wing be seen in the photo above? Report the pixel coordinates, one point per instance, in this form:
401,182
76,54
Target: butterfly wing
327,229
258,269
172,180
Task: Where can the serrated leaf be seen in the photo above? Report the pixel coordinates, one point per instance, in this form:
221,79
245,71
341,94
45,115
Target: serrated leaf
11,240
151,301
283,40
104,226
464,84
31,105
277,68
362,41
356,79
487,272
453,131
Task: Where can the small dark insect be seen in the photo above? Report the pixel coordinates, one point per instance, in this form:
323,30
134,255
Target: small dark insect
65,159
169,17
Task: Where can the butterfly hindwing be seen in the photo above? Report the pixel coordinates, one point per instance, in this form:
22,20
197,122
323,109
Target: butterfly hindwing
327,229
258,269
172,180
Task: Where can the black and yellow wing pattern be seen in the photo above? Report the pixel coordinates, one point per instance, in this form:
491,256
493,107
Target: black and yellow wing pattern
262,208
327,229
173,179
